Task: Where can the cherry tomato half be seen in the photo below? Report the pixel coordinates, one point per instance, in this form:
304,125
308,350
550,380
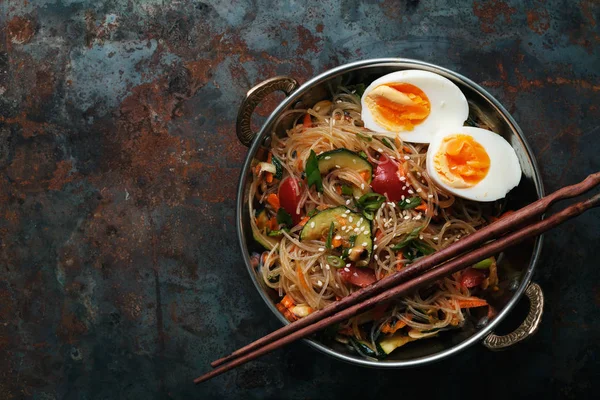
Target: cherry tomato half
361,277
387,181
472,277
289,197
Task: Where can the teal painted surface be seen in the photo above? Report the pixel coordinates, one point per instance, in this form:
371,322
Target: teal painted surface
121,276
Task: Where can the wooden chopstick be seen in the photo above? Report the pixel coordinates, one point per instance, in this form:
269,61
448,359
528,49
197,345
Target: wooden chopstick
485,234
427,278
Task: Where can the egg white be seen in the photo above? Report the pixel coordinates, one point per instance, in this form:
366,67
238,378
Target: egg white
504,173
449,107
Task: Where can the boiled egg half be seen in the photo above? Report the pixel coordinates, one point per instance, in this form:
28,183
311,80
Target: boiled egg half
473,163
413,104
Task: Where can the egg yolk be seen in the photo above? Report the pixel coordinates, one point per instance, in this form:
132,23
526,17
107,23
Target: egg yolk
461,161
398,106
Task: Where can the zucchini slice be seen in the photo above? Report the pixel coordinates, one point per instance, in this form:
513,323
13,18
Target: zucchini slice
344,158
351,226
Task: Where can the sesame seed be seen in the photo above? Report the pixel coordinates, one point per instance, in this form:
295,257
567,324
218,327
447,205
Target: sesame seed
364,244
403,187
402,178
350,219
419,174
418,217
430,196
393,205
362,185
435,238
337,166
319,283
458,236
407,201
347,266
321,249
380,150
387,257
348,202
376,257
327,267
343,216
419,190
407,217
403,197
421,237
406,157
328,157
354,274
356,230
347,212
360,220
338,237
375,247
375,239
410,191
312,224
337,286
445,238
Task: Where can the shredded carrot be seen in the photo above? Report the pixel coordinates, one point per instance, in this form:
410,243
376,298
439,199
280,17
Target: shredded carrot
336,242
269,177
401,170
340,220
307,122
273,225
397,142
286,313
399,256
338,189
257,169
378,234
270,158
421,207
300,165
406,149
273,200
287,301
303,221
301,277
365,175
472,302
399,324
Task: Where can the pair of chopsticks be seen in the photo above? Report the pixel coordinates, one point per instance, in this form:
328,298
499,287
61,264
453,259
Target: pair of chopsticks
490,241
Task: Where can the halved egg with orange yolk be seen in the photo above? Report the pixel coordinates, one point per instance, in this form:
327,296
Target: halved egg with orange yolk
473,163
413,104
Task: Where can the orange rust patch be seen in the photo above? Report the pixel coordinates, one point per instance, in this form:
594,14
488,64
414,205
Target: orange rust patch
538,21
62,175
306,41
20,30
488,12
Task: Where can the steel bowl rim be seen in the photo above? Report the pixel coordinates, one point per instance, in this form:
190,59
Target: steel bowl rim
399,62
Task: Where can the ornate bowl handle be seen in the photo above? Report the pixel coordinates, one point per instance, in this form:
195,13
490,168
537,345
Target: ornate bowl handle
527,328
253,98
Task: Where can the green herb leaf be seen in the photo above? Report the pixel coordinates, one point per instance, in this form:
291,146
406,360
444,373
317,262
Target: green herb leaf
278,168
352,240
364,155
283,217
273,278
484,264
347,190
387,143
422,247
278,232
409,238
313,175
330,236
312,212
369,203
409,203
358,89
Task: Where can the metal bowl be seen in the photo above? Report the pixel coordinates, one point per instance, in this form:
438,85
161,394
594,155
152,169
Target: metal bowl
518,263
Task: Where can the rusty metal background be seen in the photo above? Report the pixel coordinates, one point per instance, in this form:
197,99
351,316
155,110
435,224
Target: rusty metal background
120,276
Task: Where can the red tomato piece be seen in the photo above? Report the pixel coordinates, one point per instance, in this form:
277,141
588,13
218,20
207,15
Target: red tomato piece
387,180
361,277
472,277
289,197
